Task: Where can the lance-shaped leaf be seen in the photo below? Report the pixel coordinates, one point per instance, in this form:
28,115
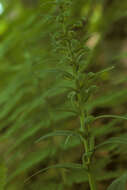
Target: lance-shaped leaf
60,133
66,74
94,76
105,70
67,140
31,160
111,116
114,140
74,112
65,165
119,184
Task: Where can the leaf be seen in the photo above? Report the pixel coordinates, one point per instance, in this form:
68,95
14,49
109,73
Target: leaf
114,140
111,116
68,110
64,73
105,70
30,161
59,133
119,184
65,165
28,133
67,140
114,98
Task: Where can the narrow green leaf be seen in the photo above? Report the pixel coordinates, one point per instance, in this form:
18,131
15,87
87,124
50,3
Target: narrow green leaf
65,73
68,110
111,116
67,140
31,160
65,165
119,184
113,98
59,133
105,70
28,133
114,140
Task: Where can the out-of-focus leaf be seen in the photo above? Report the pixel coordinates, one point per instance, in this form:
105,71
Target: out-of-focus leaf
114,140
31,160
119,184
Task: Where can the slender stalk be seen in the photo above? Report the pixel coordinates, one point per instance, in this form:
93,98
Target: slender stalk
88,160
84,128
91,179
88,163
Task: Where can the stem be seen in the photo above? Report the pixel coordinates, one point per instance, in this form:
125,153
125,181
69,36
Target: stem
91,179
83,128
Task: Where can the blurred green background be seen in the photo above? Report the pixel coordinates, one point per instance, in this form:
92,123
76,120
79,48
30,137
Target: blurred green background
30,98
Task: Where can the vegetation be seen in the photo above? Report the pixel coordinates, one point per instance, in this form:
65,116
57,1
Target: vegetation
63,95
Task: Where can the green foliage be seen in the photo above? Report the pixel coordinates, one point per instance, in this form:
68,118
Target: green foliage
63,94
